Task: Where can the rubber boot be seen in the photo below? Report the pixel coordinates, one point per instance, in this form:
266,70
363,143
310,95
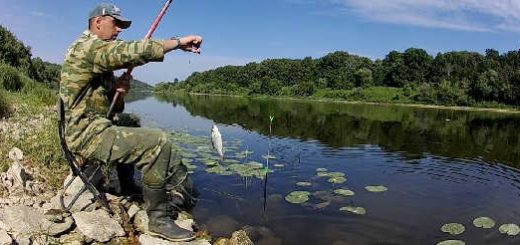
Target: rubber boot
161,216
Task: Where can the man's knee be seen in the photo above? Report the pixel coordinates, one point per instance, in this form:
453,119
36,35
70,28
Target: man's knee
155,174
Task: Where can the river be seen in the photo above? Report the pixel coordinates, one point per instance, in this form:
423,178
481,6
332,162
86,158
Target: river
433,167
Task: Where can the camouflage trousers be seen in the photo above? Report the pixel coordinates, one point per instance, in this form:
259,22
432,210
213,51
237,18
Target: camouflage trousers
153,154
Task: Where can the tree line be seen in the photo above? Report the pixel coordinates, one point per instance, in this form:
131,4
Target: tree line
452,78
16,62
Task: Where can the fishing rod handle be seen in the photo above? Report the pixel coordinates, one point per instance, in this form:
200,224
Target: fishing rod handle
147,36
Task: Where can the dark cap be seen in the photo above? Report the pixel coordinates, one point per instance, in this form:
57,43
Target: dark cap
112,10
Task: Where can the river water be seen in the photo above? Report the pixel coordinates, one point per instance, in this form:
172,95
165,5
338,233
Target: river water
438,167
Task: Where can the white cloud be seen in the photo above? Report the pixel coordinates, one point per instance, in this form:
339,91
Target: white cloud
468,15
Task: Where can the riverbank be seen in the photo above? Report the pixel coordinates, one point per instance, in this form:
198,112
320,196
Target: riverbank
505,109
32,172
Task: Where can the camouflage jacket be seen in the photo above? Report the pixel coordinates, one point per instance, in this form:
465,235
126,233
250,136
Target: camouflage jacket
87,79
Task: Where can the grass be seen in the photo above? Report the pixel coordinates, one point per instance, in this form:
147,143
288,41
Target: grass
4,106
31,126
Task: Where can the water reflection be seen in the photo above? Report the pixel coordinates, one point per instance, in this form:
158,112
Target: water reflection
439,166
492,136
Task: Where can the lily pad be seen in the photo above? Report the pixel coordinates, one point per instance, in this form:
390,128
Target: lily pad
322,174
337,180
484,222
321,170
303,183
231,161
452,242
259,165
376,188
355,210
509,229
453,228
217,169
209,162
336,174
298,196
344,192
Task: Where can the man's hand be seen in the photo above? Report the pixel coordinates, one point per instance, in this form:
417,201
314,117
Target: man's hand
122,84
190,43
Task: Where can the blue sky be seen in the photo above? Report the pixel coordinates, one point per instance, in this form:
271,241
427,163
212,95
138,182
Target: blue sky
236,32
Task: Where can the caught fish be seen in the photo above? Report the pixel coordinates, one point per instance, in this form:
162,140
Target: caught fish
216,141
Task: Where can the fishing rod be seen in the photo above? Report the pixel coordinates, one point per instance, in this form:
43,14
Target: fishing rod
147,36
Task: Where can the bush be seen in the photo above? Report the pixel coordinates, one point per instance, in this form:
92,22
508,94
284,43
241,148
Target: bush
305,88
10,78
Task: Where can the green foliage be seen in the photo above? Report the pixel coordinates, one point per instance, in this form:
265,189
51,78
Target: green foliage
13,52
39,93
16,62
363,77
45,72
453,78
306,88
10,78
383,94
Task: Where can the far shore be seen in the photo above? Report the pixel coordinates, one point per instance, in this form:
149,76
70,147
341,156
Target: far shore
422,106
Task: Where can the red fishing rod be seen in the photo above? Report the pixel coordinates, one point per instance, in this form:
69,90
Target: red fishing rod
148,36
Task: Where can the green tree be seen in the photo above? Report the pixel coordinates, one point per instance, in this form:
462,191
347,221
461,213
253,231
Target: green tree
363,77
13,52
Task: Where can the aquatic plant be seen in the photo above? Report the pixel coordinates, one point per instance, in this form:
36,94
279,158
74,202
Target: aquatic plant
452,242
303,183
484,222
297,197
376,188
354,210
337,180
344,192
453,228
218,169
322,174
509,229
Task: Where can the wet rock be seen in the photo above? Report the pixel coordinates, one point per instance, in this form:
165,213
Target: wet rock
262,235
237,238
98,225
146,239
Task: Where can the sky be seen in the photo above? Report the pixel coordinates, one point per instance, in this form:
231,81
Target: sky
237,32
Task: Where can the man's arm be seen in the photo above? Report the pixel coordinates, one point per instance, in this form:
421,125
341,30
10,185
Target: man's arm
114,55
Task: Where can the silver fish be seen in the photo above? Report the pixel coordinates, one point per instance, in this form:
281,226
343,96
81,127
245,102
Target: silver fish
216,141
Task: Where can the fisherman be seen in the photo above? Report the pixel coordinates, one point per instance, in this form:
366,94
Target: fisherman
87,87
